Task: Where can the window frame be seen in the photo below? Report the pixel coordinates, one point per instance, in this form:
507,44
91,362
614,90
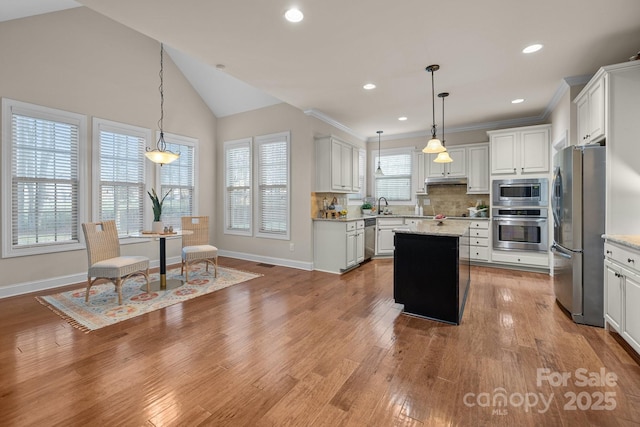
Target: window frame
9,107
266,139
390,152
238,143
171,138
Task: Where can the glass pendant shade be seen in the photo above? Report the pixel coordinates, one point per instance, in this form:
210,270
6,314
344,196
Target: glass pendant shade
433,146
443,157
379,170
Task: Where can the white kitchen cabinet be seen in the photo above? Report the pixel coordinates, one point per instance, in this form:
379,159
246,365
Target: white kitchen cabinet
622,292
479,241
337,166
338,245
385,234
455,169
520,151
478,169
591,112
521,258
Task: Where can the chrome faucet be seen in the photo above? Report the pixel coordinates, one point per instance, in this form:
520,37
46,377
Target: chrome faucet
385,203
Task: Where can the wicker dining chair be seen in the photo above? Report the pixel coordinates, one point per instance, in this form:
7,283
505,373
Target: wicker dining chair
195,246
105,261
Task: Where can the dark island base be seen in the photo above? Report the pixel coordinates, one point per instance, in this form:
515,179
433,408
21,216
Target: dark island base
432,275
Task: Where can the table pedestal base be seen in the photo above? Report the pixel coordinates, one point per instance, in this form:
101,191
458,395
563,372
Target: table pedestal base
157,285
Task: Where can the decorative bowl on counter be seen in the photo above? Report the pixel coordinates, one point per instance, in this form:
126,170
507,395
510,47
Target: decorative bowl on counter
440,221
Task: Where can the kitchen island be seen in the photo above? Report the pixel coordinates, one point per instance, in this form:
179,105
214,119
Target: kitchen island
431,269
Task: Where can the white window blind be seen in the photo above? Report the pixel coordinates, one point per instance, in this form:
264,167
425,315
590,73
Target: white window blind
41,176
362,163
273,204
178,179
238,180
396,183
121,189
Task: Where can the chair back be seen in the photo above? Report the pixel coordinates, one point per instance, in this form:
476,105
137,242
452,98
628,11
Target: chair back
102,240
199,225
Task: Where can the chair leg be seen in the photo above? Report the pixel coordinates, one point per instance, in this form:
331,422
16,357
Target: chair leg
186,271
146,276
89,283
119,290
215,267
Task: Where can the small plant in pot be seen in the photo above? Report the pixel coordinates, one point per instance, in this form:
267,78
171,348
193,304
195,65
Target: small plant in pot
366,208
157,227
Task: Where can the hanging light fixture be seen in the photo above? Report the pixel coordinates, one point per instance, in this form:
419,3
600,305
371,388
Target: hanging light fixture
443,157
160,154
379,170
434,145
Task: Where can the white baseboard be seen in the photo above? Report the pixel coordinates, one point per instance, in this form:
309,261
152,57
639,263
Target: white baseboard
268,260
61,281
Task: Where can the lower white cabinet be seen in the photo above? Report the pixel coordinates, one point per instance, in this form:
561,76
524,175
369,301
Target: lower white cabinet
479,241
338,245
523,258
622,292
385,234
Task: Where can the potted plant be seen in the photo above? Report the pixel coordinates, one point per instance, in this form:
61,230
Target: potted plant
157,226
483,210
366,208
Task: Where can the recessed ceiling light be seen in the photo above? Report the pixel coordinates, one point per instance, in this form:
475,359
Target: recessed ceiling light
402,119
518,101
369,86
220,66
532,48
293,15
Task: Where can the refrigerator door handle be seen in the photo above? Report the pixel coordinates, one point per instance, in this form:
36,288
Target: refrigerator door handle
558,250
556,187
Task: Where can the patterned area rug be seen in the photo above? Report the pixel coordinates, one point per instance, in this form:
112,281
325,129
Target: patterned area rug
103,309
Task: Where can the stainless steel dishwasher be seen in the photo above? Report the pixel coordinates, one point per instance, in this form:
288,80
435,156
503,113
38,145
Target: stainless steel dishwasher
369,237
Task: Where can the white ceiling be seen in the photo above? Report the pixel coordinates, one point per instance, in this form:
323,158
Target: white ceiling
321,63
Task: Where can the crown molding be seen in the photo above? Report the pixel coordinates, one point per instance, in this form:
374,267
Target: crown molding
323,117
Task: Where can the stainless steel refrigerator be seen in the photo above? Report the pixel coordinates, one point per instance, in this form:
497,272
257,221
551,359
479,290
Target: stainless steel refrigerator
578,205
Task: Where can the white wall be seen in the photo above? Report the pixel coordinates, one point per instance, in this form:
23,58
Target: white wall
80,61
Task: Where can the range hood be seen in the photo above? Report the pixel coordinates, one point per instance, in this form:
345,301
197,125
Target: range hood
445,181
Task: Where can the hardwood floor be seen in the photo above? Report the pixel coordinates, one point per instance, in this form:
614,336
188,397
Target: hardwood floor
315,349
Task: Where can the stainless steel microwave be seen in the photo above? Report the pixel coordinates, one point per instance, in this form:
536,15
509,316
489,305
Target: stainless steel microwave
521,192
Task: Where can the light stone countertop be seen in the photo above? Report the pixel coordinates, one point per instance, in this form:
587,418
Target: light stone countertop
360,217
453,228
629,240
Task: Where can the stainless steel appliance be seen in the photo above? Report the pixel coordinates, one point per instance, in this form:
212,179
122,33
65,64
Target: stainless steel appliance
369,237
521,192
521,229
578,202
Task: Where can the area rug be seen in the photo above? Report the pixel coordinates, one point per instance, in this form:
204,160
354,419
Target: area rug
103,309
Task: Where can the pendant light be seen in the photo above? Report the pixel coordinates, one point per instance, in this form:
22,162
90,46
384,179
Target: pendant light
434,145
379,170
160,154
443,157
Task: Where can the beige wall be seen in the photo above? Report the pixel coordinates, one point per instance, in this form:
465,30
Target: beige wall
79,61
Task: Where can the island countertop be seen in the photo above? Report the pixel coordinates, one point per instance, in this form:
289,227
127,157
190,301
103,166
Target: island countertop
454,228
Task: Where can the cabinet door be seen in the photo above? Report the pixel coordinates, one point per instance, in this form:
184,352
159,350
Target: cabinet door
384,243
583,121
457,168
631,313
478,172
503,154
351,249
359,246
534,151
433,169
355,170
612,295
346,167
596,111
336,165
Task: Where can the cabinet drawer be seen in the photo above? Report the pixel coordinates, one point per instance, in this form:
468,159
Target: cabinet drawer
360,225
479,253
479,224
479,241
478,233
622,256
515,257
390,221
351,225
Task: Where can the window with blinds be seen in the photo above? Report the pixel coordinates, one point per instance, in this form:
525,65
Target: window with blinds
273,194
238,184
121,188
395,185
178,179
42,175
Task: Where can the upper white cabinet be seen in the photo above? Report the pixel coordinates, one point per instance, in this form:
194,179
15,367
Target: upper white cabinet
478,169
591,111
336,166
520,151
455,169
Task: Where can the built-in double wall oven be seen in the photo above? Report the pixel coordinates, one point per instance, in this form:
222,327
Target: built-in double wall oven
520,215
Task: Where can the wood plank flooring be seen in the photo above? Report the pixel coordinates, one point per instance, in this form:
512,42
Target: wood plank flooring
314,349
